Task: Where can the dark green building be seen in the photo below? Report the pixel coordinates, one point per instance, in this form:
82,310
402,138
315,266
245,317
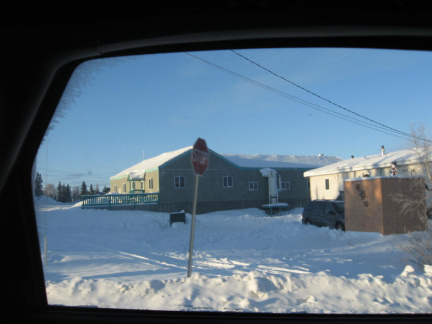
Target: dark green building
230,182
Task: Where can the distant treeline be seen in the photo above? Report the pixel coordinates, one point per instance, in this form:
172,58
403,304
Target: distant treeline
64,192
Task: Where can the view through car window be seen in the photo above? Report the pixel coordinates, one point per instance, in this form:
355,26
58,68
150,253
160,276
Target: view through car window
314,198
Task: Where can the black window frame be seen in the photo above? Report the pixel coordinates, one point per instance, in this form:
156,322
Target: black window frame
178,182
228,182
284,185
150,183
253,185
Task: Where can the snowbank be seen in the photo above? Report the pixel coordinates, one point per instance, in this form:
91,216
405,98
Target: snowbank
244,261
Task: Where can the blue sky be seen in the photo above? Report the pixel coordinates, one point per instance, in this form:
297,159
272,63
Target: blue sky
118,110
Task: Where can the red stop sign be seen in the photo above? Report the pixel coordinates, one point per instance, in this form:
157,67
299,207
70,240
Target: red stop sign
200,156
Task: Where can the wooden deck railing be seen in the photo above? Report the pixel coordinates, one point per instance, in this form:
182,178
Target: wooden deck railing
108,201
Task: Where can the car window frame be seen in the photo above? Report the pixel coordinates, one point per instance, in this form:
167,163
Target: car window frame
18,165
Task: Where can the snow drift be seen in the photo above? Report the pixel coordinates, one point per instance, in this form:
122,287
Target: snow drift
244,261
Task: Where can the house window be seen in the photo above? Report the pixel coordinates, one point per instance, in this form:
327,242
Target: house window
286,185
142,184
253,186
124,187
179,182
227,182
327,184
115,188
150,183
132,185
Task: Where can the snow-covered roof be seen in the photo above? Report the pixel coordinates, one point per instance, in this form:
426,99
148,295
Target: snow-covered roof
139,169
402,157
280,161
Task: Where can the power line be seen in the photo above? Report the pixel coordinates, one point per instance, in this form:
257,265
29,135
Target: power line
318,96
304,102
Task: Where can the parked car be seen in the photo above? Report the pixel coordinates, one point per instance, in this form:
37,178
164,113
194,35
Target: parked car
329,213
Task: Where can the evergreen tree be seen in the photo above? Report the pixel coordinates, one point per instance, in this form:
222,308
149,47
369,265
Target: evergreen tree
67,194
38,185
91,190
63,193
59,192
83,189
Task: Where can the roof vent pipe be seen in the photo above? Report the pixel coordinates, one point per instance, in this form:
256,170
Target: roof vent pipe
382,150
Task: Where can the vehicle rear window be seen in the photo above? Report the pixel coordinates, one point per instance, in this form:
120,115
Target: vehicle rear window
318,206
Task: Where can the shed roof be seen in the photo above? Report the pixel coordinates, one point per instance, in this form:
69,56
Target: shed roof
402,157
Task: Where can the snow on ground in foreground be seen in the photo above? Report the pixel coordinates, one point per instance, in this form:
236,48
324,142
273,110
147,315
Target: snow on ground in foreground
244,261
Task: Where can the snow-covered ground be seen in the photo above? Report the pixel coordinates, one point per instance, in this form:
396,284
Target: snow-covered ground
244,261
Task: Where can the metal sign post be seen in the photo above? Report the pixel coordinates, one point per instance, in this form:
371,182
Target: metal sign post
192,233
200,160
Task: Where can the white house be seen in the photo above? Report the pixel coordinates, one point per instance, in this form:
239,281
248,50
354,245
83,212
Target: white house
327,182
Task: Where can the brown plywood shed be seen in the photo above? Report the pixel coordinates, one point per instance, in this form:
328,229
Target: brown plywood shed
387,205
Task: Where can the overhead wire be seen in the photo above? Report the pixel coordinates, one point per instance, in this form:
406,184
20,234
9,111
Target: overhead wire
375,126
318,96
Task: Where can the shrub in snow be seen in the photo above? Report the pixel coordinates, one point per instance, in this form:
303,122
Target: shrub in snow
418,246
